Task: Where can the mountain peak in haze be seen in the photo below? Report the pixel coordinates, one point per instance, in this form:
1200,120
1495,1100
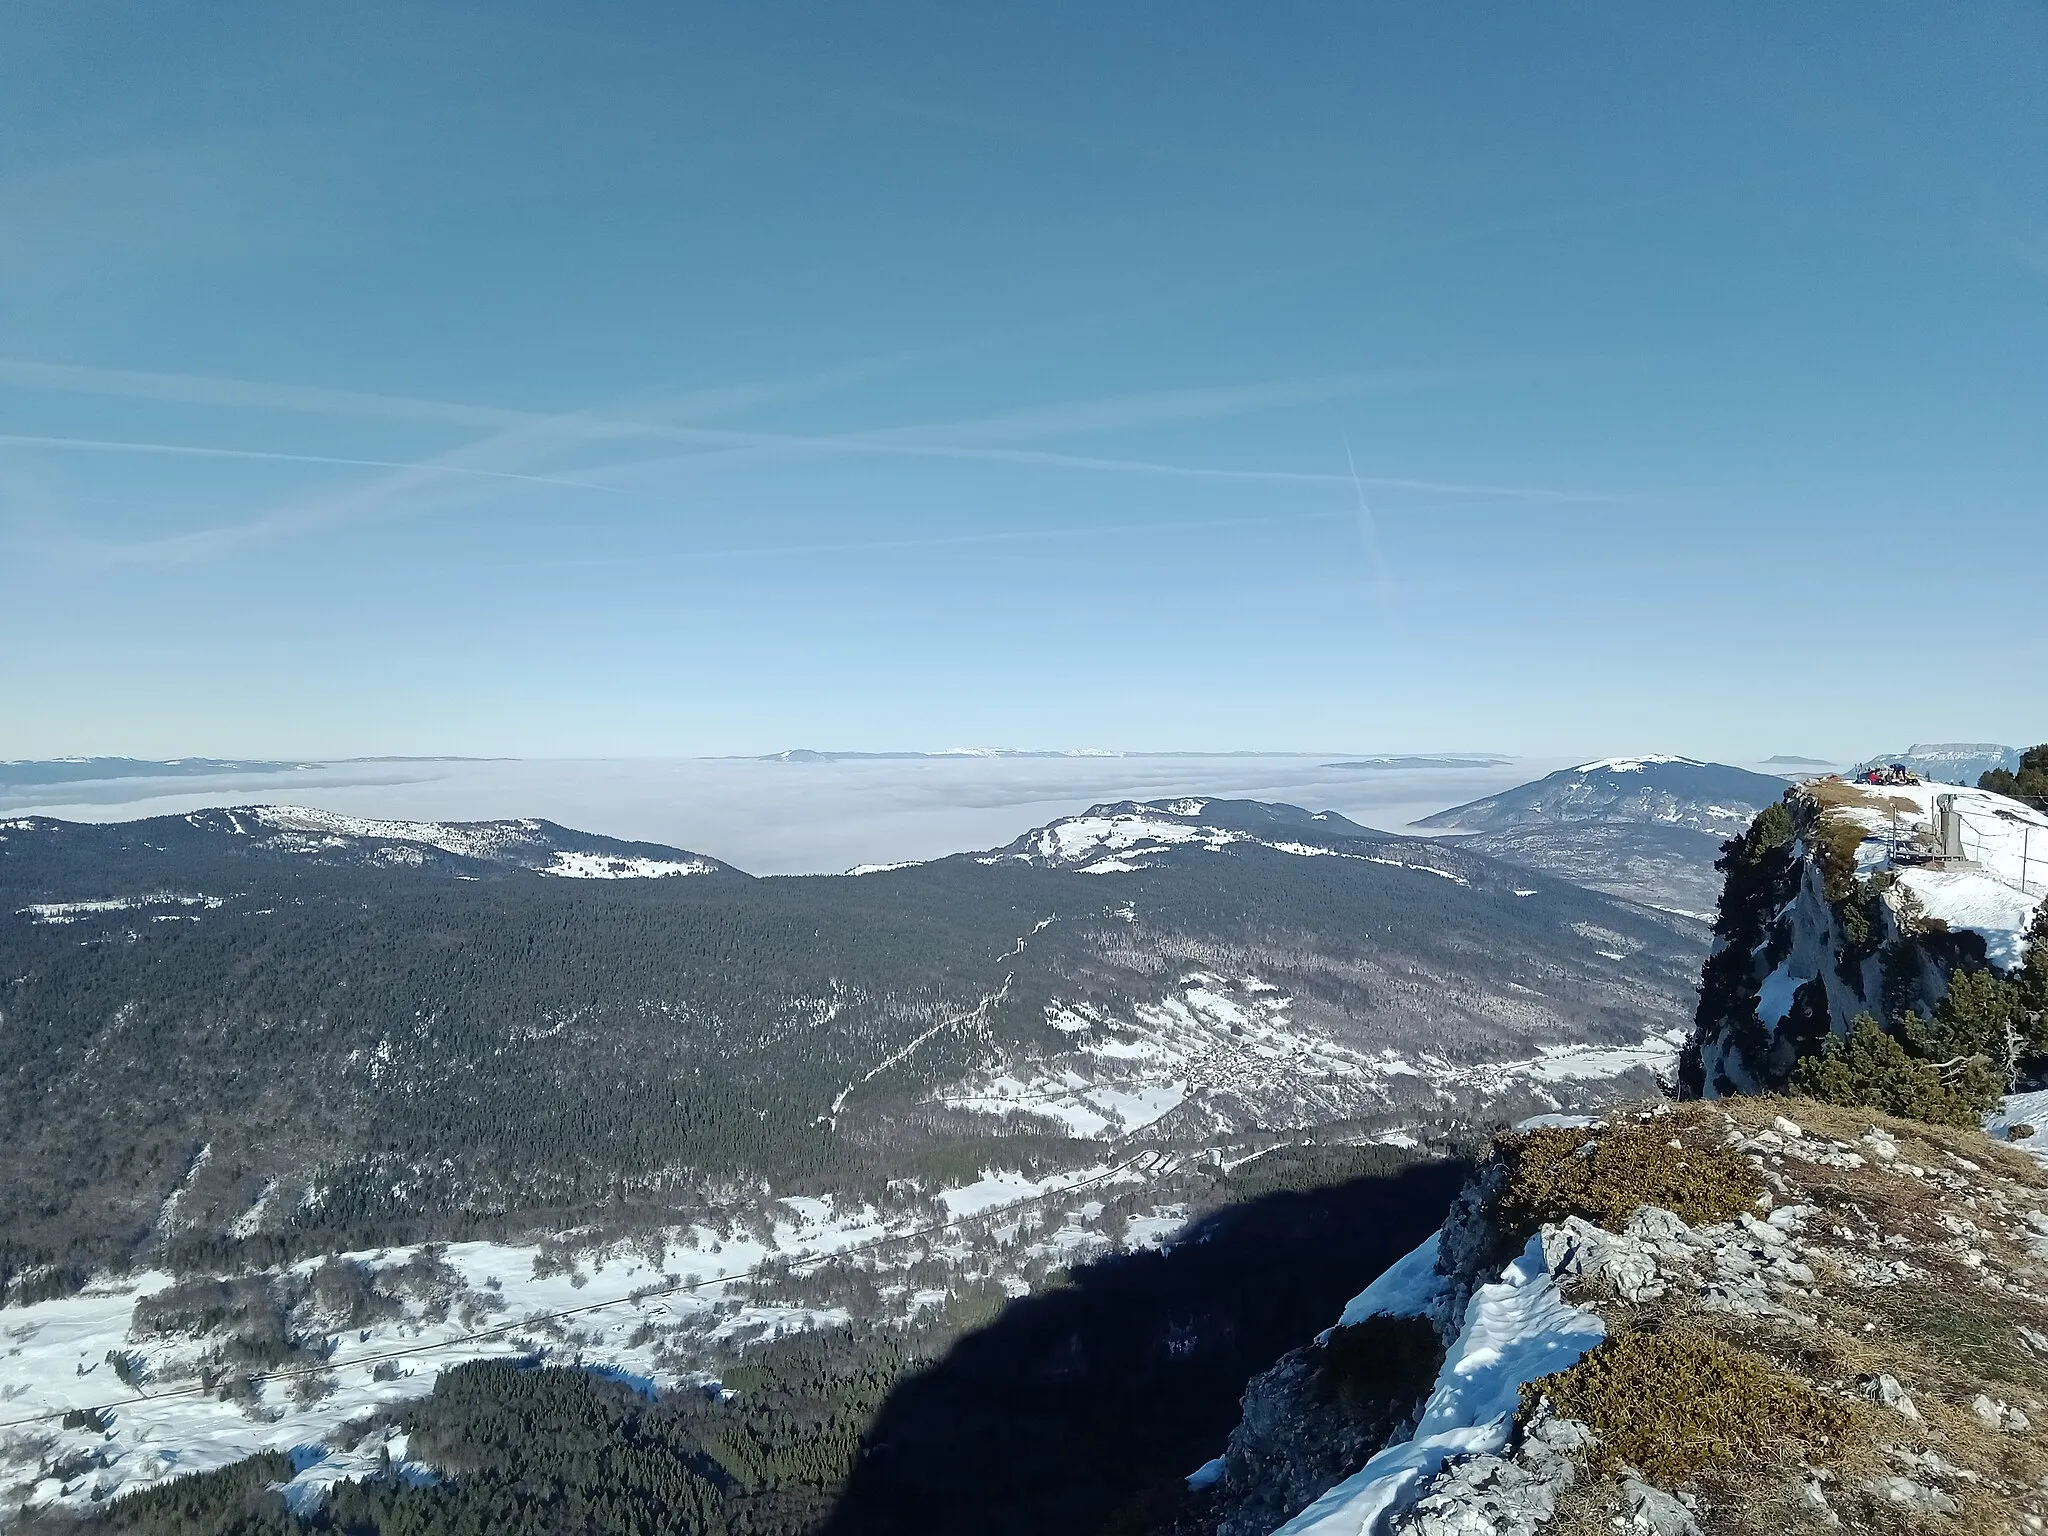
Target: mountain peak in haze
1657,787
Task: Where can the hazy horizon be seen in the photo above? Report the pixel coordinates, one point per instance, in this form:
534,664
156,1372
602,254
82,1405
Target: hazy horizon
788,818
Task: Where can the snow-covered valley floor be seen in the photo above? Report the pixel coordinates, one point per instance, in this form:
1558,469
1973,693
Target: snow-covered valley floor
95,1401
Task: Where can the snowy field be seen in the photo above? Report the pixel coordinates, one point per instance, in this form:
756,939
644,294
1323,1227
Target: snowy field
772,817
1514,1331
647,1311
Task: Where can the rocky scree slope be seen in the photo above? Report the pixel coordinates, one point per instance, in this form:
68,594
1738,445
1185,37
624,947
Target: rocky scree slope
1644,828
1754,1316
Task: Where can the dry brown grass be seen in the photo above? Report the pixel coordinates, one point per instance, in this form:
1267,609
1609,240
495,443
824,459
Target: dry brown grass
1674,1400
1675,1161
1831,794
1947,1334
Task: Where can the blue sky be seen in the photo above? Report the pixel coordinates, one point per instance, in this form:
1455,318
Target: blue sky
636,379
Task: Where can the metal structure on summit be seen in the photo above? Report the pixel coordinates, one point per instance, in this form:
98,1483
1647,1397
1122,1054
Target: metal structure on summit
1952,851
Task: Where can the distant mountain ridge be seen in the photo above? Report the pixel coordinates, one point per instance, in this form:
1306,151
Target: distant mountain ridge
34,773
1658,788
955,754
26,772
233,845
1121,835
1949,762
1645,828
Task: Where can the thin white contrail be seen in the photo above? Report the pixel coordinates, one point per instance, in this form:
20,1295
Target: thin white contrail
1383,581
522,437
907,442
188,450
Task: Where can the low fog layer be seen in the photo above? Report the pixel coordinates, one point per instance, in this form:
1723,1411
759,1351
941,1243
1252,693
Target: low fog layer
793,818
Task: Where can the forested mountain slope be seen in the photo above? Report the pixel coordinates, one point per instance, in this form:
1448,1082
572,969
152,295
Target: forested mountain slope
237,1035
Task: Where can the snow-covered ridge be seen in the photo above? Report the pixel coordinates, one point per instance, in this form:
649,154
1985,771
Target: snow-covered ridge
1514,1331
1636,764
574,865
1849,1203
1127,835
526,842
1107,839
470,840
1656,789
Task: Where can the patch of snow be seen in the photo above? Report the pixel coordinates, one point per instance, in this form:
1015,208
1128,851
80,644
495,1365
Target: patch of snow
1774,997
1558,1122
2021,1109
606,866
250,1221
1516,1330
72,911
1567,1063
1237,1038
316,1469
1157,1228
1635,764
1984,905
1207,1475
993,1189
1406,1288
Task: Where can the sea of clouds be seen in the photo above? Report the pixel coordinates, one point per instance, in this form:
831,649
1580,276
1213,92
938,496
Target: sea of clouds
775,817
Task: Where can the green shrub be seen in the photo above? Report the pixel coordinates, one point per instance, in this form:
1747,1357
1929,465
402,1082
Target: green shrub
1835,842
2029,784
1873,1070
1983,1015
1604,1174
1672,1405
1773,828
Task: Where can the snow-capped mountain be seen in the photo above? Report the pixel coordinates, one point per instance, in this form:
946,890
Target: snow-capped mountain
1949,762
1126,834
527,843
1645,828
1654,790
